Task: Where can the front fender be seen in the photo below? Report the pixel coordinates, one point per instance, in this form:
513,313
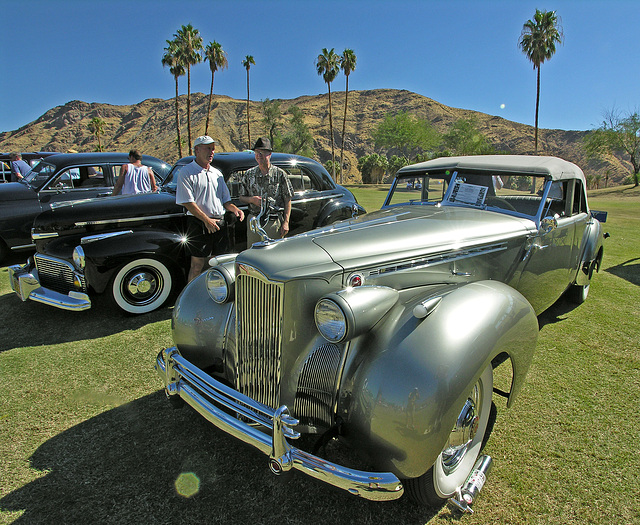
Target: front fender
408,379
105,255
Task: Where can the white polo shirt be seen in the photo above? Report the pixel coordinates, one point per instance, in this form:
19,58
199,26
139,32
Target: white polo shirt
205,187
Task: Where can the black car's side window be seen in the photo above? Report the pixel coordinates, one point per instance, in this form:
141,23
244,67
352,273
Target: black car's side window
65,180
301,180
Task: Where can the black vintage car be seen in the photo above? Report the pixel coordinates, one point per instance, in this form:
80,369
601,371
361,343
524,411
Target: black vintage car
55,179
31,158
133,247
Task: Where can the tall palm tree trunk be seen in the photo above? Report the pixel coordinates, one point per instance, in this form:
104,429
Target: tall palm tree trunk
344,126
248,125
189,106
206,126
333,156
178,122
537,107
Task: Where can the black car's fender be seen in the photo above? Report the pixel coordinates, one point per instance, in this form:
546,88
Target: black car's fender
406,380
105,256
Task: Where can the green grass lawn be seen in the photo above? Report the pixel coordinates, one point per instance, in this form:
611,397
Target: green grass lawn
86,435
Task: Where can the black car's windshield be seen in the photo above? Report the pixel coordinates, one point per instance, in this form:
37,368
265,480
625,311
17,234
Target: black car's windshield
39,175
170,182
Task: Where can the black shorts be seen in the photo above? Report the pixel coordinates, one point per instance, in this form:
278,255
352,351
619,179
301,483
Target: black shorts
201,243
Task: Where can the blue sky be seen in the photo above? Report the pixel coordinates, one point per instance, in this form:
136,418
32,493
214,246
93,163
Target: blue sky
460,53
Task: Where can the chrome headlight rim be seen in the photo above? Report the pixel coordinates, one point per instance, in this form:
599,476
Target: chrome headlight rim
79,258
218,285
331,320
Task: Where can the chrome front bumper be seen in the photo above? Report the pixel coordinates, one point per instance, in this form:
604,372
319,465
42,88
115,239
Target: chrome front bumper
26,285
205,394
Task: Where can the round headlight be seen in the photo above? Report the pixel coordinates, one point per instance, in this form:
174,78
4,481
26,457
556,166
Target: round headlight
217,286
330,320
78,258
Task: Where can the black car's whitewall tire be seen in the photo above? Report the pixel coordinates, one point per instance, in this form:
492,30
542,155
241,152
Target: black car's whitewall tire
455,462
141,286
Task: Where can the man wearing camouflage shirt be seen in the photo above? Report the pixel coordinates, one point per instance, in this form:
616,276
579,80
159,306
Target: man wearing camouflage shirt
266,179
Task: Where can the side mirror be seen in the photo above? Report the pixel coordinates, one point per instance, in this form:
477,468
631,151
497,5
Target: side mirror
548,224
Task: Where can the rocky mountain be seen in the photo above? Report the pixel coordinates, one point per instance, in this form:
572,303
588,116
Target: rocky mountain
150,127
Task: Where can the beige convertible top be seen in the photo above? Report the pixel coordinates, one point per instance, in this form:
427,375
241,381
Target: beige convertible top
552,167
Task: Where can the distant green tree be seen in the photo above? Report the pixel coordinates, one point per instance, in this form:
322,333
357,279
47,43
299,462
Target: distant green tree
247,62
327,66
397,162
170,59
271,118
373,168
217,59
406,134
331,168
464,138
189,52
96,126
347,64
618,135
538,42
298,139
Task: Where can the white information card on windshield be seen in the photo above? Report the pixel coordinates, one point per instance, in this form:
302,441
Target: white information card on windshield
468,194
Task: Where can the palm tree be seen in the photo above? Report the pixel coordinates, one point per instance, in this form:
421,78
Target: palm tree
248,60
96,126
217,58
327,66
347,64
189,44
170,60
538,42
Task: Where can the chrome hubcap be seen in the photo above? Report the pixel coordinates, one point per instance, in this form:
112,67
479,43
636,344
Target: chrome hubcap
141,285
463,433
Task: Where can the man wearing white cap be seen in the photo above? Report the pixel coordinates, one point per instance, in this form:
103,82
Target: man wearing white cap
202,191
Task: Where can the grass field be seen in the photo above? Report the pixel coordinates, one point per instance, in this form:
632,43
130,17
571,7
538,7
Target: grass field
86,435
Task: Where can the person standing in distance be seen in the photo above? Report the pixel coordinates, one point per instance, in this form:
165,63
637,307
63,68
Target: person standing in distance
269,180
134,177
19,168
202,191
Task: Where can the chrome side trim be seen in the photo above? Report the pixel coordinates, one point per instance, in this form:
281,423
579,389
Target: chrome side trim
205,394
101,236
23,246
439,258
129,219
40,236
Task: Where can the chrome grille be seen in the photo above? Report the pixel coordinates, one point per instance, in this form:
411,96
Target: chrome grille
316,386
259,335
57,274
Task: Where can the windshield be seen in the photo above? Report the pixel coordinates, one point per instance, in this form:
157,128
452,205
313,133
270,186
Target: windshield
503,192
170,182
39,174
418,189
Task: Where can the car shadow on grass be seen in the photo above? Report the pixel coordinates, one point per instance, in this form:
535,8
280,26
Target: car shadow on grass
34,324
629,270
145,462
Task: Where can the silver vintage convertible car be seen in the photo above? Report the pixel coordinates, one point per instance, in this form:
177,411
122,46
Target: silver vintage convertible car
382,332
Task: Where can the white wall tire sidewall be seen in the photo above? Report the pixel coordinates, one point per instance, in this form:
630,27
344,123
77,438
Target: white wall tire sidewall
446,485
159,301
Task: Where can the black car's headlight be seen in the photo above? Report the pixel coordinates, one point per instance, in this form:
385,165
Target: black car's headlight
78,258
350,312
220,284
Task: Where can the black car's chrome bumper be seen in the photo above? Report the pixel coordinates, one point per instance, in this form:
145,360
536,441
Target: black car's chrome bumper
206,394
27,286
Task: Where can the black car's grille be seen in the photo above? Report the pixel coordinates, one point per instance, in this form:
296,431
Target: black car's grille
57,275
259,336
